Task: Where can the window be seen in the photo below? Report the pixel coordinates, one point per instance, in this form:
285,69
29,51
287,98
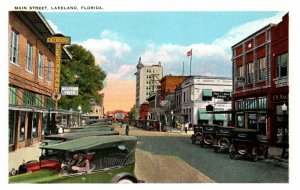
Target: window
13,125
239,105
40,65
240,71
49,71
250,72
252,121
29,57
14,48
240,121
250,103
262,124
35,124
13,95
262,68
262,103
282,65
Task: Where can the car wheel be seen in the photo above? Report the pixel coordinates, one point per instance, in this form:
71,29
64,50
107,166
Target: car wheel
216,149
232,155
208,139
125,180
254,154
223,143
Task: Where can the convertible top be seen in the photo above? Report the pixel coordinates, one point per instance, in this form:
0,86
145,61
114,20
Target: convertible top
81,134
95,142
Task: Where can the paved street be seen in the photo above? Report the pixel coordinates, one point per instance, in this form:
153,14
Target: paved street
166,157
168,153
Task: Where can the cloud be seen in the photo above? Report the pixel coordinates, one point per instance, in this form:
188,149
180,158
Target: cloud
124,71
208,59
53,26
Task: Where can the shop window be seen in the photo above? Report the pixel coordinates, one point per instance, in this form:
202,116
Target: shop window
29,125
262,68
252,120
35,125
240,121
282,65
13,125
14,47
22,126
44,123
239,105
262,103
262,124
250,103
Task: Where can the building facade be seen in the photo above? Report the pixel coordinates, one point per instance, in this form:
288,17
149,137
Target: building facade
147,82
198,92
31,78
260,72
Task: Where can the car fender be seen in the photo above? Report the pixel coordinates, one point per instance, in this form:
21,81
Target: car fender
124,175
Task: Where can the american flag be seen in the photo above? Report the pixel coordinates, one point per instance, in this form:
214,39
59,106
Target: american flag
189,53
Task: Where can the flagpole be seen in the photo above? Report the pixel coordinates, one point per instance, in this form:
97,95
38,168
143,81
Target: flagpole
191,63
182,68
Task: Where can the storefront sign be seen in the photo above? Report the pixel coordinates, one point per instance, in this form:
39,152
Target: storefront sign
221,95
281,82
69,91
280,97
58,41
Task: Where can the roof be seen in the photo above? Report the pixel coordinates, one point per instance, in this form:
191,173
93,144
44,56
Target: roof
40,27
94,142
71,136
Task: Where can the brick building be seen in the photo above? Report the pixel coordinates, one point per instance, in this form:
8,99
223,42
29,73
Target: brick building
168,85
258,62
31,78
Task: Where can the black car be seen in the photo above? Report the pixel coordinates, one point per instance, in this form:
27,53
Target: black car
208,135
223,138
246,142
197,134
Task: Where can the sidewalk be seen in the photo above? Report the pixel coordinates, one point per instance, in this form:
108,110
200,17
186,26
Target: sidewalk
28,153
275,153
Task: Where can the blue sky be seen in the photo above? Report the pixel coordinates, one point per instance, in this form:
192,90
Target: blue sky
118,39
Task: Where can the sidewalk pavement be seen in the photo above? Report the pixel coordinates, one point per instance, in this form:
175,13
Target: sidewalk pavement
275,153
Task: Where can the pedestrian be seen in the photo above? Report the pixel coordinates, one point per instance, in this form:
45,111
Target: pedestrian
190,126
186,126
127,130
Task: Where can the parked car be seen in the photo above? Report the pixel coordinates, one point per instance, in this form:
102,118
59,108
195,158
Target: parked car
208,135
33,165
223,138
196,137
245,142
110,159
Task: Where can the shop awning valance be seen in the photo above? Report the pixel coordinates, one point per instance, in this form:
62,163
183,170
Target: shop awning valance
207,92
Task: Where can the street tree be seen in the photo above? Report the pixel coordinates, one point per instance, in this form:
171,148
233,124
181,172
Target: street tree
81,71
131,113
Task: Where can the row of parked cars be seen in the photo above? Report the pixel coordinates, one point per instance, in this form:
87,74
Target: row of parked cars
88,154
236,141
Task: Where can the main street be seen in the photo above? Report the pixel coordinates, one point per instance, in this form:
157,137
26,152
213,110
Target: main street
164,157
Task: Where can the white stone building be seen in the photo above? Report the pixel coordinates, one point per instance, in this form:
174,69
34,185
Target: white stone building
197,92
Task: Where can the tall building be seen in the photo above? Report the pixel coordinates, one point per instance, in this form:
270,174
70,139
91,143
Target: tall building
147,82
260,87
31,78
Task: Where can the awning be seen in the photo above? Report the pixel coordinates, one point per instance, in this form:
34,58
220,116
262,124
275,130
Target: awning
207,92
220,117
203,115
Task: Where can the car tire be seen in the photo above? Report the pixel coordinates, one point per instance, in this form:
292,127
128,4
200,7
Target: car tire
254,154
232,155
208,139
222,141
126,180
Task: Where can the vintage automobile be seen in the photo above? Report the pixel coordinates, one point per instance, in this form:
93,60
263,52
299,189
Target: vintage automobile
246,142
110,159
197,134
223,138
34,165
208,135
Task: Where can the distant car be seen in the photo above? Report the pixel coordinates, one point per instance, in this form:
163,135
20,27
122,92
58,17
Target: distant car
208,135
223,138
111,159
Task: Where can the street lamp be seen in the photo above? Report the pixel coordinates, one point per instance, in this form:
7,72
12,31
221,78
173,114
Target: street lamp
284,110
79,108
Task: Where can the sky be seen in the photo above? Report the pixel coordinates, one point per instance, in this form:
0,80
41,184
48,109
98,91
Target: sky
118,39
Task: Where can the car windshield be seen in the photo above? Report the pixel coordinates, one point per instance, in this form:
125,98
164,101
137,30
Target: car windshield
51,154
